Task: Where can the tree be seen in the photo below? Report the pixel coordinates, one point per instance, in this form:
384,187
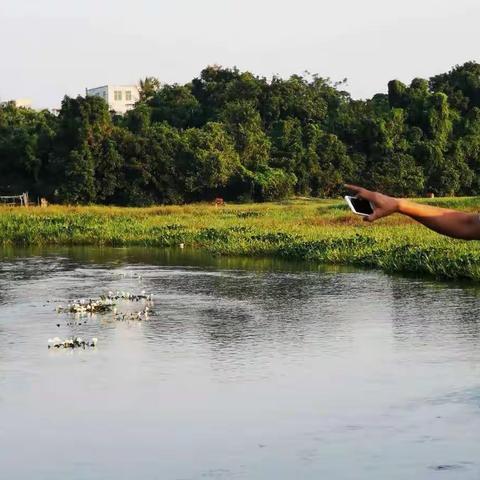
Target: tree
461,85
177,106
467,150
288,152
108,167
296,98
148,87
244,125
208,160
271,184
398,174
138,120
26,138
330,167
163,150
84,124
397,94
238,135
79,177
210,90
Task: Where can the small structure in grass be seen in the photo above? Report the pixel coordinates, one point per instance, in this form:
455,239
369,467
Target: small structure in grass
14,200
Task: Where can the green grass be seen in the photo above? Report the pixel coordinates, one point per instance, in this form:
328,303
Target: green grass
321,231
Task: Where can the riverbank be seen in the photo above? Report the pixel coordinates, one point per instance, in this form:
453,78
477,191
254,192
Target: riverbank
322,231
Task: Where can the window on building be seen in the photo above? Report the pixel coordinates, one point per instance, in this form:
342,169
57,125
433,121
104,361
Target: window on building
117,95
128,95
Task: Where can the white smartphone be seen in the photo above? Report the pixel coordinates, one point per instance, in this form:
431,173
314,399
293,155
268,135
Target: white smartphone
359,205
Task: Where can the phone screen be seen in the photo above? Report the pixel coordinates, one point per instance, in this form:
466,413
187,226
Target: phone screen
361,206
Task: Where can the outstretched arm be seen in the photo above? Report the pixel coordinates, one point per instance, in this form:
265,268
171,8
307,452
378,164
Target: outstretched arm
442,220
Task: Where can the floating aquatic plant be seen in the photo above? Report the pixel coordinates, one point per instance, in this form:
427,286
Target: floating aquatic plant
83,306
105,304
317,231
76,342
132,316
126,296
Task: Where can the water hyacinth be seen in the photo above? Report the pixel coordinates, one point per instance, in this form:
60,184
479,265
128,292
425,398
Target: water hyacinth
316,231
89,306
127,296
133,316
104,304
76,342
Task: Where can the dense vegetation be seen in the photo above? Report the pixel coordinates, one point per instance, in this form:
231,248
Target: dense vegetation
319,231
236,135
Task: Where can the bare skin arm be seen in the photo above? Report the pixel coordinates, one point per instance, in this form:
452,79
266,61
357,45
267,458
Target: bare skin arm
442,220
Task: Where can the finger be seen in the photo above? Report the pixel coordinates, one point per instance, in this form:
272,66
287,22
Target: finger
353,188
361,192
372,217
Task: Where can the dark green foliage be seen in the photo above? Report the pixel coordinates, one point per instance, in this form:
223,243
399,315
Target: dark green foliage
236,135
208,160
176,105
288,151
78,185
461,85
244,125
397,94
328,164
272,184
148,87
26,140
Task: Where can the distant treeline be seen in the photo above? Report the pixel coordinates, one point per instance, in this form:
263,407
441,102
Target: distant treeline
235,135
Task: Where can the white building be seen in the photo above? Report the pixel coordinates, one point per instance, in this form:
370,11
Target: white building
119,98
19,102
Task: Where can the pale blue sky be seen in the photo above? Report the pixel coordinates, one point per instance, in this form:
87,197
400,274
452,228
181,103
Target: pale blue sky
56,47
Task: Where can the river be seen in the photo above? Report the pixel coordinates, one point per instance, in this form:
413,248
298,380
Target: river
245,369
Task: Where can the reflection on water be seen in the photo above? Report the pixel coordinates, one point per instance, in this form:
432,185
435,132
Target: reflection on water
253,369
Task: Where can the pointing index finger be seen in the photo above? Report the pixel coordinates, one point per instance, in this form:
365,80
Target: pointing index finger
354,188
361,192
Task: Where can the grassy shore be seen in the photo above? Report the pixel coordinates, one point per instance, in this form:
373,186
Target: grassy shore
322,231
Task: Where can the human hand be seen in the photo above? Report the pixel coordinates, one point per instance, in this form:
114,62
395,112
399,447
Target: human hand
383,204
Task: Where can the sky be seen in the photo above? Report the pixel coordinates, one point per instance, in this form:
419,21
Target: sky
52,48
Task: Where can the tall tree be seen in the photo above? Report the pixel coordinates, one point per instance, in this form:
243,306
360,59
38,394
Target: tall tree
243,123
148,87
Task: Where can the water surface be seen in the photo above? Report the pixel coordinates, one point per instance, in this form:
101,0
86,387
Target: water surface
248,369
